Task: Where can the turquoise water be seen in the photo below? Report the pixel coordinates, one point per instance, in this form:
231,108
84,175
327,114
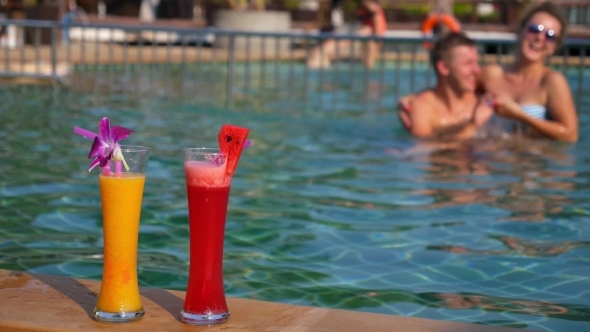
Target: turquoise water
332,206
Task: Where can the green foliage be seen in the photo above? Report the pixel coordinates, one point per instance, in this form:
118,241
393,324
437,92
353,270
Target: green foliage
292,4
466,9
459,9
463,9
415,9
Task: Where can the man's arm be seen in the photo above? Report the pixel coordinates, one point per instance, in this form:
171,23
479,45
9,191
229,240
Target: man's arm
468,128
417,113
404,107
420,117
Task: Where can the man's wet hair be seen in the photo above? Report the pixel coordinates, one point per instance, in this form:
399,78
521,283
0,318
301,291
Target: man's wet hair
445,44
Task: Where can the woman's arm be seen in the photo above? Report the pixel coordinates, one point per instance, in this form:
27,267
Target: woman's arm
561,108
563,125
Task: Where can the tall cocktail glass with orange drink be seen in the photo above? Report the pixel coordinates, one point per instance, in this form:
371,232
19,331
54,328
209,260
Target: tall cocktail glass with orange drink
121,192
121,197
208,179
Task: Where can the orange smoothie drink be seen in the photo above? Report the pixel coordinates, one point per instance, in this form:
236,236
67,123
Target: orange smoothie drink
121,193
121,206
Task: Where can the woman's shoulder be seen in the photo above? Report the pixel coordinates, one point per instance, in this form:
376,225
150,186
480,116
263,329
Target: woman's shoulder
552,77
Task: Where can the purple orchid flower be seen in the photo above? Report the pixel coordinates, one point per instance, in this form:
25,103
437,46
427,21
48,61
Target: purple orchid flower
106,144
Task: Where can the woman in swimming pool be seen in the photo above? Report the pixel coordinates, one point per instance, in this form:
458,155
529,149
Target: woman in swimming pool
528,92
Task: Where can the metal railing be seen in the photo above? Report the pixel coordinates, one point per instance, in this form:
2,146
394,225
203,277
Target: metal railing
231,68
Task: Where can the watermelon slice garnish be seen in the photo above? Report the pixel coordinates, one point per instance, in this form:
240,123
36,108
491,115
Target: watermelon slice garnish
231,142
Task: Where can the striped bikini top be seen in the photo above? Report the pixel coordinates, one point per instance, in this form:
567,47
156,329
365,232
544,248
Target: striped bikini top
515,126
535,110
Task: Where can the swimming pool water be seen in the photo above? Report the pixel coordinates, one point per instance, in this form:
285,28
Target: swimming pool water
332,206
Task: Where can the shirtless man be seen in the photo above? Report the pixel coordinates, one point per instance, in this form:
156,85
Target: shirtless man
451,110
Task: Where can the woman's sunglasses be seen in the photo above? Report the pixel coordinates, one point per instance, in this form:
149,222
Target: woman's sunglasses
550,35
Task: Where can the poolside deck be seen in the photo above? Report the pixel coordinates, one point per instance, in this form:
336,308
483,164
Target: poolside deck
38,302
38,60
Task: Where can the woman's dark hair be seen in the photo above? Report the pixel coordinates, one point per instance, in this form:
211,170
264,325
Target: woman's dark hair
548,8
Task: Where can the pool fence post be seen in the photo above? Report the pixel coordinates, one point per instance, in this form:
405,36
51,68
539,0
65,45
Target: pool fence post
581,69
230,71
54,52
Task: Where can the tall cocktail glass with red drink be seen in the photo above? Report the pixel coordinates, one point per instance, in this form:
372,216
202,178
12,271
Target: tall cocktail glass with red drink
208,175
207,188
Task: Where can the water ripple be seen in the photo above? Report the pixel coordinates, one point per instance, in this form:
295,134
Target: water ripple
332,205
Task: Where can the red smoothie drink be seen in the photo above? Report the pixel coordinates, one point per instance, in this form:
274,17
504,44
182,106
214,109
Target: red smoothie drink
208,178
208,187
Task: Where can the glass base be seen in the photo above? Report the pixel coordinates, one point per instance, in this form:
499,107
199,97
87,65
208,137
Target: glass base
203,319
117,317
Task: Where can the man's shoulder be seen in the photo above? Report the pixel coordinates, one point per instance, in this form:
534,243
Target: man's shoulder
426,97
421,105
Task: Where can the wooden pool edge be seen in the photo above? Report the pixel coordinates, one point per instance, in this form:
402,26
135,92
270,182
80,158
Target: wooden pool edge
41,302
